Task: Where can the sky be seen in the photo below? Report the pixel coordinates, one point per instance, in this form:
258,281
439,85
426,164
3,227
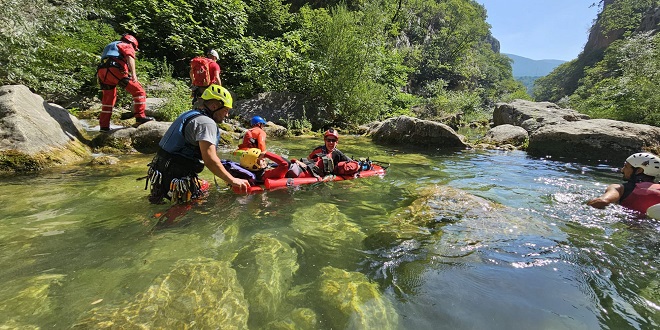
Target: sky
541,29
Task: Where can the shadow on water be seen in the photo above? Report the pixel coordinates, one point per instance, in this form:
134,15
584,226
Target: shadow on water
445,240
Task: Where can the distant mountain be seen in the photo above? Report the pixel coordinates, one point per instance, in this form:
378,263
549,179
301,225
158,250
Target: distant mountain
526,67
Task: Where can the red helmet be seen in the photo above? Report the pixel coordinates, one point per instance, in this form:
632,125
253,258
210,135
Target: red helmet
130,39
330,132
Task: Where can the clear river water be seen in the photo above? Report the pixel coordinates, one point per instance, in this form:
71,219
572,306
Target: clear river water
81,248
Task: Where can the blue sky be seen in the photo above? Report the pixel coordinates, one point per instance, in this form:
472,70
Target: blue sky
541,29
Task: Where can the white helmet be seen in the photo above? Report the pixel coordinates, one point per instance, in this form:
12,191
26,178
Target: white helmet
647,161
213,53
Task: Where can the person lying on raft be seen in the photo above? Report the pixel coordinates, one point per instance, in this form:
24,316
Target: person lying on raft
255,161
639,192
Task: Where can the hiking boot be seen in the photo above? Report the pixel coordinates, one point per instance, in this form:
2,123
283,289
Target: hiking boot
104,129
142,120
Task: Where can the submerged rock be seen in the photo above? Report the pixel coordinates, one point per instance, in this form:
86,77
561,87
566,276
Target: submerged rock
325,227
33,301
200,293
265,268
298,319
351,301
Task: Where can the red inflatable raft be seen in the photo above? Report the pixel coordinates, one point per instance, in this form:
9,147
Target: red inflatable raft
273,184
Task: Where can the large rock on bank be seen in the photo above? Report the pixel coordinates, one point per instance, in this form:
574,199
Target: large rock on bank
557,132
35,134
533,115
595,139
280,108
413,131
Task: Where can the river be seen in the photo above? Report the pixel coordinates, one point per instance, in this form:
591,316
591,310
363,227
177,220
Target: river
81,248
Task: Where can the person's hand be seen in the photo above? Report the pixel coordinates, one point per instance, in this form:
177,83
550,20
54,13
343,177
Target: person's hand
241,184
598,203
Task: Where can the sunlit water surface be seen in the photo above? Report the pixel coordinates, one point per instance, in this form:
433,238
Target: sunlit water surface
82,241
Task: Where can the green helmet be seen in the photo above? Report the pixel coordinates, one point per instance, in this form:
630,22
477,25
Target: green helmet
217,92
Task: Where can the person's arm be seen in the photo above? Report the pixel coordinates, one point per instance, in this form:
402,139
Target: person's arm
217,77
313,154
342,156
279,171
131,67
212,162
612,194
261,140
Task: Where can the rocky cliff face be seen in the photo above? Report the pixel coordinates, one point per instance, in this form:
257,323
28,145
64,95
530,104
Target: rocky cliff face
598,40
650,21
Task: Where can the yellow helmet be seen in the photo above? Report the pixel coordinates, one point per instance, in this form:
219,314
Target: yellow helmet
250,159
217,92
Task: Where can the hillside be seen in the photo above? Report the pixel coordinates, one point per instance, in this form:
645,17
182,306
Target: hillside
526,67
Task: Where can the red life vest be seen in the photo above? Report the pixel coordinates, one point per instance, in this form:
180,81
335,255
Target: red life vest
645,195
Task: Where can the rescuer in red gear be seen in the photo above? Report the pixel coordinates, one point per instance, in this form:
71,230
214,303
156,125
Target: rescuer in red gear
117,67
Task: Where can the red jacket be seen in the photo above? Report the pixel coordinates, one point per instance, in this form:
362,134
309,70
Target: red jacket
276,172
255,137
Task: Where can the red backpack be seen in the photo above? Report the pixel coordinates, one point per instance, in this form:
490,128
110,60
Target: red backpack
347,168
200,72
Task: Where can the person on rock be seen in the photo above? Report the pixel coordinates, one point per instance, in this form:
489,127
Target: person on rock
117,68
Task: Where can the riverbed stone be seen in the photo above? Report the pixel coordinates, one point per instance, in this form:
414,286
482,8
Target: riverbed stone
297,319
116,141
595,139
104,160
274,130
326,231
507,134
198,293
417,132
146,137
36,134
351,301
533,115
265,268
34,299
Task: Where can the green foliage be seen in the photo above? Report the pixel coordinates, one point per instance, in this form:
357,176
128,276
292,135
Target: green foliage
50,48
298,126
358,61
179,29
624,14
624,85
261,65
176,92
348,53
458,27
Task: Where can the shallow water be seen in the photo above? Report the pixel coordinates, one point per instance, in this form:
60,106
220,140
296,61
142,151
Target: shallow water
80,243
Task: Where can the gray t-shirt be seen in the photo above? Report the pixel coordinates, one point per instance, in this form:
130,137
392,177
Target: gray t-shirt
201,128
